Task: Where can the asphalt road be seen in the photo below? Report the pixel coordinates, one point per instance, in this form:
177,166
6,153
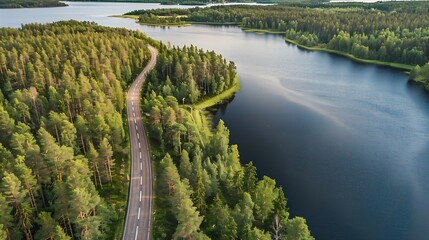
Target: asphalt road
139,211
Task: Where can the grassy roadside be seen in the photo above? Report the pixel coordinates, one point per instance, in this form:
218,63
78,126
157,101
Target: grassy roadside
212,101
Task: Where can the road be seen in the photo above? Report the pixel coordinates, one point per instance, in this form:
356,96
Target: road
139,211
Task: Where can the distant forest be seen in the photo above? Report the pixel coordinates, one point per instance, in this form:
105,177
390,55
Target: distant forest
30,3
387,32
57,3
202,2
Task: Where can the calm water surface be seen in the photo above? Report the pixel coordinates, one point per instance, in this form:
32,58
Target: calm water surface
349,142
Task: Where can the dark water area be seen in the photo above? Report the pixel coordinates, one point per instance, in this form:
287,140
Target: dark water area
349,142
344,138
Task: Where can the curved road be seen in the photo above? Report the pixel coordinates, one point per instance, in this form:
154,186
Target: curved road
139,211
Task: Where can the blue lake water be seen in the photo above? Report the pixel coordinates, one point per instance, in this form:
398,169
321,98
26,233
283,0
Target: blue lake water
348,142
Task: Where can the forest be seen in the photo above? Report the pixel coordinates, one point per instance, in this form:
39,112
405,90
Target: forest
384,32
31,3
202,190
65,153
386,6
191,74
63,147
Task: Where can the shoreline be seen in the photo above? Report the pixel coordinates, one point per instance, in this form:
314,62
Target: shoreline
401,66
405,67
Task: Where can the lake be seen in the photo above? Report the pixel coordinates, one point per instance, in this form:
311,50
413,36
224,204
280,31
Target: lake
349,142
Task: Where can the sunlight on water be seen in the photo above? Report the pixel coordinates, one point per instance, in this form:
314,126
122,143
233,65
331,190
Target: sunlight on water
273,86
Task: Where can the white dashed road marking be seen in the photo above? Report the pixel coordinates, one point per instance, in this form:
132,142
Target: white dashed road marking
137,232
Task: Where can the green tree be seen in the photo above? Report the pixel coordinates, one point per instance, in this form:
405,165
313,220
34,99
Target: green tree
60,234
106,157
47,226
27,179
170,176
187,215
257,234
297,229
57,157
243,213
250,178
82,131
16,196
117,132
185,168
6,219
263,198
68,133
3,232
220,140
199,194
220,224
6,126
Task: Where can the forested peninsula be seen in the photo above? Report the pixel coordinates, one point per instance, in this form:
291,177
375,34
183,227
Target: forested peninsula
65,153
394,34
31,3
202,190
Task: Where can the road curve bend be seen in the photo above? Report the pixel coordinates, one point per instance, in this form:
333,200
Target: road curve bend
139,210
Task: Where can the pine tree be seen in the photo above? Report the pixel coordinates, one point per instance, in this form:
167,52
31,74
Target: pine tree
186,214
297,229
47,226
220,224
199,194
185,168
